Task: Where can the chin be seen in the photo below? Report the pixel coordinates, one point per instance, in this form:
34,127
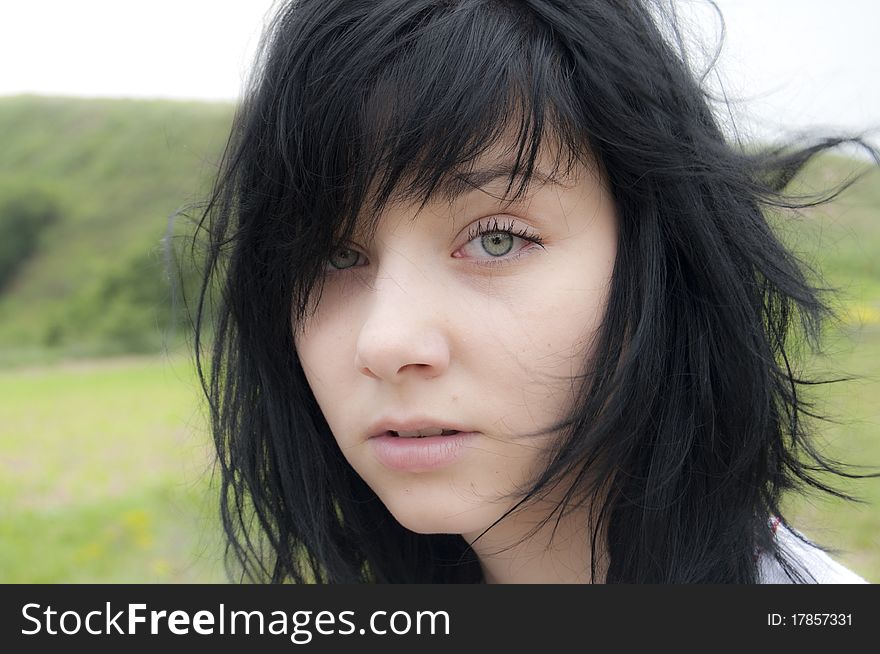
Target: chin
442,517
427,524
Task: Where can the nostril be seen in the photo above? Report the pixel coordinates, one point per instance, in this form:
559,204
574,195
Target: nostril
369,373
417,368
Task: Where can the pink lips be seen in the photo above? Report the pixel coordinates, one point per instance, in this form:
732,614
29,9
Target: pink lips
419,454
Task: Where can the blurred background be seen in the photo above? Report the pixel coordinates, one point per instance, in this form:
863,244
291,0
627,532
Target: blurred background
113,116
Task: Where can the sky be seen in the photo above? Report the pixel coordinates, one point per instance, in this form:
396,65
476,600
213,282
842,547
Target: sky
786,64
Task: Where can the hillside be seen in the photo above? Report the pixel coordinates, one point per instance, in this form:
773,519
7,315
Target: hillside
116,170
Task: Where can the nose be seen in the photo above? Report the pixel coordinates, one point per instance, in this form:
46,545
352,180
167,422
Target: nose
403,335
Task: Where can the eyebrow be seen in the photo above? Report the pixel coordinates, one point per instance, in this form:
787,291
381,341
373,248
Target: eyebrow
461,183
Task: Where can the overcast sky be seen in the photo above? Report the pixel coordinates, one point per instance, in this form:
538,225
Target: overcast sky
789,63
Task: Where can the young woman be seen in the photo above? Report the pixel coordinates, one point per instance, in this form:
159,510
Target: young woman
498,302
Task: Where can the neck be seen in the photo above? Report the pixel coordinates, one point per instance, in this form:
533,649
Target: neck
558,552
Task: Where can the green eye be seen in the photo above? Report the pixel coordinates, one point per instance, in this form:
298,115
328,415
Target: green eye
343,258
497,243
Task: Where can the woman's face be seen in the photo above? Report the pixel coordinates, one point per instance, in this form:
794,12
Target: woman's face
472,317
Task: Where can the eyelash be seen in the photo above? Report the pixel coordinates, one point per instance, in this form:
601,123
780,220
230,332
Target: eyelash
479,230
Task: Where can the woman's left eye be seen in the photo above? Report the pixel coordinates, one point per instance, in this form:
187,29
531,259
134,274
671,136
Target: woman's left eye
343,258
496,240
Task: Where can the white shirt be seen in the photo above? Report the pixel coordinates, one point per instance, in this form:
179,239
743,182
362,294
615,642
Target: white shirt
807,558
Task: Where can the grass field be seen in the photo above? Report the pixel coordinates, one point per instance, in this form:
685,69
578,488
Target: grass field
105,475
854,438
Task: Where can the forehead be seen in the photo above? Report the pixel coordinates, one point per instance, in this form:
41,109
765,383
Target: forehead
502,172
506,164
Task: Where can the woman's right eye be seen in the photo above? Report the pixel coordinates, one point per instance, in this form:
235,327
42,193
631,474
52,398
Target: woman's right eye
344,257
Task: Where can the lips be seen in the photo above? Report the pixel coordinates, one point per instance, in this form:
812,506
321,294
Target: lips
421,454
422,433
414,428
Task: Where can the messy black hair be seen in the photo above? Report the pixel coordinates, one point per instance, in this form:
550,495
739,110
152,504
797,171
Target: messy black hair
690,425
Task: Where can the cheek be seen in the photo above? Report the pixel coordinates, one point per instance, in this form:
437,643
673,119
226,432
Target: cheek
554,322
540,346
323,347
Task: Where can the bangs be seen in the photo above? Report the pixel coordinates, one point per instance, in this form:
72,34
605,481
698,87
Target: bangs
464,82
403,98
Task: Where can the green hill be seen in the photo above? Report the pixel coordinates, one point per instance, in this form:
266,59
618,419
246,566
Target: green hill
87,188
115,171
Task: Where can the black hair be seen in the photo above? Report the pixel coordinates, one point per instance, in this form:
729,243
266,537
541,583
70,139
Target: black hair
691,421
